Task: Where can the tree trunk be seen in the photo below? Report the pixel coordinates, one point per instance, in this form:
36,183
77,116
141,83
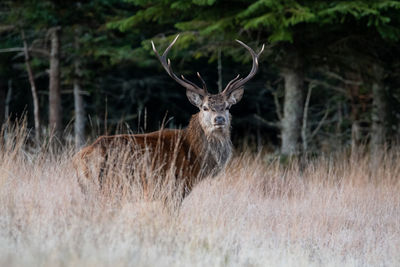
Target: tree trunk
355,96
379,113
219,68
35,98
55,119
2,102
293,106
8,99
78,100
355,135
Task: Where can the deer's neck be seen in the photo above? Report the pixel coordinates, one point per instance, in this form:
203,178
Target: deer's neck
213,149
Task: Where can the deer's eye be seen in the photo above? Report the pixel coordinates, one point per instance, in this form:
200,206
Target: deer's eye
205,108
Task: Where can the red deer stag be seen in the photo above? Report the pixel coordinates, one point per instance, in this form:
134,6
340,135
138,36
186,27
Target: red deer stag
200,150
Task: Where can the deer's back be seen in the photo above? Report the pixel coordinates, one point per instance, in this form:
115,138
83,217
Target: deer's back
165,150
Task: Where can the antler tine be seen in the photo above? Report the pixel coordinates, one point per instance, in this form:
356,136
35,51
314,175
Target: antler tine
167,66
233,80
163,58
235,83
202,81
170,46
189,82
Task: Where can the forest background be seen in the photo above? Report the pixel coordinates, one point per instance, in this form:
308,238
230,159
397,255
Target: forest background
329,78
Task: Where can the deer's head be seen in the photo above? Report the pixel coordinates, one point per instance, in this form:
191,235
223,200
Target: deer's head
214,108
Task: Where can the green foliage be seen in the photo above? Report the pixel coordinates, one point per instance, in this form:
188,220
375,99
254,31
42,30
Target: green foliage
118,61
283,17
152,14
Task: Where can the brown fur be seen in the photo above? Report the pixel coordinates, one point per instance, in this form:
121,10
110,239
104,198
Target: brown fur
190,153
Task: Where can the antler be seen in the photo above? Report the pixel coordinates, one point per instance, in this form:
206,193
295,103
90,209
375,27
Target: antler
236,82
167,66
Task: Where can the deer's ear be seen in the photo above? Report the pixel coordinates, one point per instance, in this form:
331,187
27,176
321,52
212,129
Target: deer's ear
194,98
235,96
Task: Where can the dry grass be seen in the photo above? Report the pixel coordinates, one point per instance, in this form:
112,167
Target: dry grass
338,211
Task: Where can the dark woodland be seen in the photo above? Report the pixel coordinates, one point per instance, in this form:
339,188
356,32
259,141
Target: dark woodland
327,80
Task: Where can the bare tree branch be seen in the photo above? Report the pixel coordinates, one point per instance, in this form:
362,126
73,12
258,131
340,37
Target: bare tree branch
278,108
340,78
305,118
321,122
22,49
326,85
268,123
5,28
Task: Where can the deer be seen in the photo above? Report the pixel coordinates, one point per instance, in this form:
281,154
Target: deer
200,150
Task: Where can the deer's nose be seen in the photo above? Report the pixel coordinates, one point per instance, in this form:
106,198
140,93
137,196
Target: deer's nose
219,120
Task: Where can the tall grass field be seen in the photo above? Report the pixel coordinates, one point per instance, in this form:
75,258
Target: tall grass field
335,210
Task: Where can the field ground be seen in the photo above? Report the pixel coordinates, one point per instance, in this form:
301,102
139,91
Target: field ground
338,211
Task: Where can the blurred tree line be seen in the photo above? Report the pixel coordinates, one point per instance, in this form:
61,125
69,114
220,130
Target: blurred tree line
329,77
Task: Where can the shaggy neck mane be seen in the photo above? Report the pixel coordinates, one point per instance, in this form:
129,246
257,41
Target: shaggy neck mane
214,149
